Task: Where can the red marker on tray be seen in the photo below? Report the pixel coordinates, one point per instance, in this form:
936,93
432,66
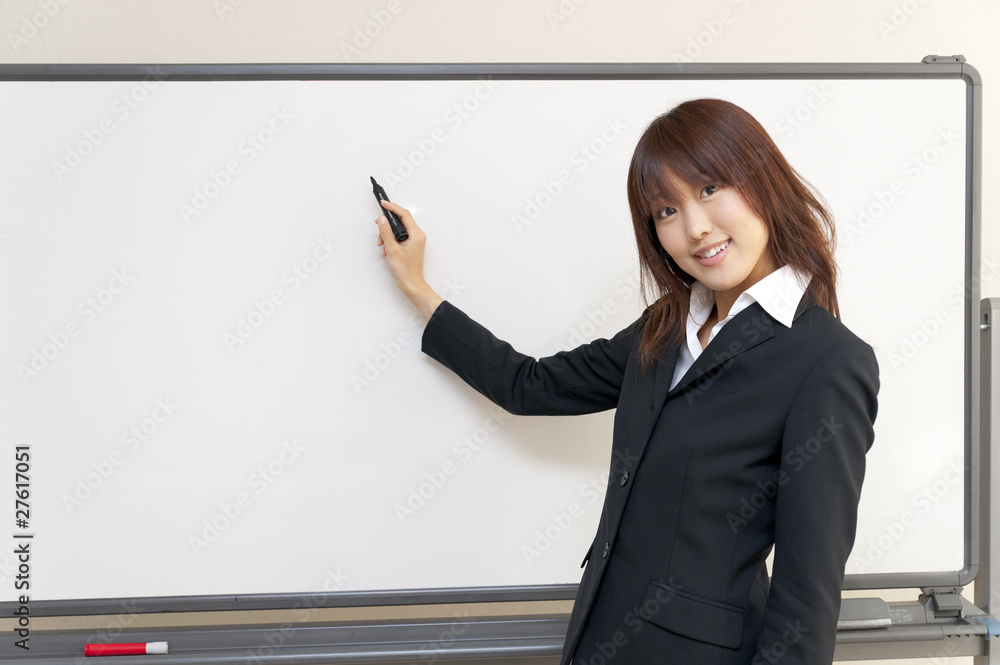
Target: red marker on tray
132,649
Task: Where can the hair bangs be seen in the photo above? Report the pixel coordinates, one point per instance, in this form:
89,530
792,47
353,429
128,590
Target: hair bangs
667,163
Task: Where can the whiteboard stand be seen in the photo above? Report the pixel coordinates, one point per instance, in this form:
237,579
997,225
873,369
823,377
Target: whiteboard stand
987,590
943,623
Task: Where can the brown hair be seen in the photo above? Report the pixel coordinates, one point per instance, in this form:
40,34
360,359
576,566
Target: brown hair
711,141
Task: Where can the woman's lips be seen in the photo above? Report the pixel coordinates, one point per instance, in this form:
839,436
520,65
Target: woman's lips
720,251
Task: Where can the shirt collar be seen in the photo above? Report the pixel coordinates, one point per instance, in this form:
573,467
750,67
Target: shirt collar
778,293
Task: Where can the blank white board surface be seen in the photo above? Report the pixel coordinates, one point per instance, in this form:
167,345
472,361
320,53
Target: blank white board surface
223,393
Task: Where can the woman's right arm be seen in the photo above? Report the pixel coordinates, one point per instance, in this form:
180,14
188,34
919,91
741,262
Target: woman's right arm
584,380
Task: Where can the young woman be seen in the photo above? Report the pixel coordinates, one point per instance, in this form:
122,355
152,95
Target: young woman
745,407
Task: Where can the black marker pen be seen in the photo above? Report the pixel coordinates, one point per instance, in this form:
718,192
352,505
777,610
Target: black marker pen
394,223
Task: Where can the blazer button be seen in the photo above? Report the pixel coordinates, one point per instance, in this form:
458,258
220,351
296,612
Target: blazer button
607,547
624,478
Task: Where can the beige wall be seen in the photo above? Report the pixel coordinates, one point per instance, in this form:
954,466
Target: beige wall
218,31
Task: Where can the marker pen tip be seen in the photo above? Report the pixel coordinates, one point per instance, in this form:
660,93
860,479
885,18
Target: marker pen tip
372,178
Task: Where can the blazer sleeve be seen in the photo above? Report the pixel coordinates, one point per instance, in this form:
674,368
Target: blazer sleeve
584,380
827,434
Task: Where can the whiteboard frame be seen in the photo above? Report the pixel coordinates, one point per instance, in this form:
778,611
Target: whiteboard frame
932,67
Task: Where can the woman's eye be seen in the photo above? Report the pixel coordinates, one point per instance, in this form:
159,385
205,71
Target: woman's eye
708,190
663,213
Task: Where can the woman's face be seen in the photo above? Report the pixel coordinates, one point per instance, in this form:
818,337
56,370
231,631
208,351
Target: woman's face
715,237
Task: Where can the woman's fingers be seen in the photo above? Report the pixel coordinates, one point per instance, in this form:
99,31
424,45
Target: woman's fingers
379,242
404,216
406,259
385,235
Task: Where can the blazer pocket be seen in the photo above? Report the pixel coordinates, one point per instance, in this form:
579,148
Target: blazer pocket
693,616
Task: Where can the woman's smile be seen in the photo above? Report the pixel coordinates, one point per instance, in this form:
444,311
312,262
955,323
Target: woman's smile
714,253
716,238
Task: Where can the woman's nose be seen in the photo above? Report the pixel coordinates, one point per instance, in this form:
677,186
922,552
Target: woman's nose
698,223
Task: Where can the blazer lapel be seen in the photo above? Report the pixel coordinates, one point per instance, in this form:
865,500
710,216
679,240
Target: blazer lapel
664,377
746,330
749,328
636,418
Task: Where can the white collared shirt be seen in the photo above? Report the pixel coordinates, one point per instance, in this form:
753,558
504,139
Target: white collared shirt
778,293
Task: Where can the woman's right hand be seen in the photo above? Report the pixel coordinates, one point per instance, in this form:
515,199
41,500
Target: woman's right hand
406,259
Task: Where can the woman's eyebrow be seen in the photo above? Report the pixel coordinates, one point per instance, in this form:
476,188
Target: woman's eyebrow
658,203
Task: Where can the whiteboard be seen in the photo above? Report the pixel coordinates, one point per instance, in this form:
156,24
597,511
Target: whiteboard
223,393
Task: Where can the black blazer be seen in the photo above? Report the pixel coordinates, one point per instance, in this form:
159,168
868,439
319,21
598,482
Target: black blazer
761,444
